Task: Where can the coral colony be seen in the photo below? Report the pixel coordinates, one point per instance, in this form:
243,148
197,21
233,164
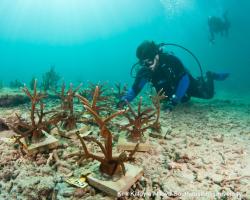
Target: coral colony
156,100
66,115
32,131
138,122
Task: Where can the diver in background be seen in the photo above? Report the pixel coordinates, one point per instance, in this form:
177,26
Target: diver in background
166,71
218,25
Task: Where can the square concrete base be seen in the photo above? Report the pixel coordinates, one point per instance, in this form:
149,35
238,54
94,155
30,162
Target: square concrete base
115,188
125,145
49,142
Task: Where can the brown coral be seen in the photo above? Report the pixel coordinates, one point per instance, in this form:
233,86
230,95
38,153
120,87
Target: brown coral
33,131
138,122
96,98
109,163
66,115
156,100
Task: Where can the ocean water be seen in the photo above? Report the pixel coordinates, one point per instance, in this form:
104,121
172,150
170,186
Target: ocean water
96,40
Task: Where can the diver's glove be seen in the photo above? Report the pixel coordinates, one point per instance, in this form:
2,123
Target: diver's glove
174,100
169,105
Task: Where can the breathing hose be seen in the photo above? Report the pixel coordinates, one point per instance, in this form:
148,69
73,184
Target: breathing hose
176,45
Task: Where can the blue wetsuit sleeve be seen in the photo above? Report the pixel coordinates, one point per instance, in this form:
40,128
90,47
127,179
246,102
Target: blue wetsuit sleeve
134,91
181,88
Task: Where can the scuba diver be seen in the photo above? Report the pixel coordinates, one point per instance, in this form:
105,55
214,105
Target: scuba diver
166,71
218,25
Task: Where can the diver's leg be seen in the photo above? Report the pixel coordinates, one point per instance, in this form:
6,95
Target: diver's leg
208,86
218,76
202,88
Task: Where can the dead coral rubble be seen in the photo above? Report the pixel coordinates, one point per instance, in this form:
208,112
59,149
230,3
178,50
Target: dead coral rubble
12,100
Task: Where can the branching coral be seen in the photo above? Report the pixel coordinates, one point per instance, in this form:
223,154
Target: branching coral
98,102
156,100
97,95
109,163
138,121
120,91
50,79
67,115
33,131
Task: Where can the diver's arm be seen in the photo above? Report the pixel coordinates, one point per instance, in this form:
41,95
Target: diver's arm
181,89
141,79
135,90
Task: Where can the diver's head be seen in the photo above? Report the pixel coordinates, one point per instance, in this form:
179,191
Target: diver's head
148,54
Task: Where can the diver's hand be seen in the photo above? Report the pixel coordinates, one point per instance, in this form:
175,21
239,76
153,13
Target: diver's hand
121,104
171,103
174,100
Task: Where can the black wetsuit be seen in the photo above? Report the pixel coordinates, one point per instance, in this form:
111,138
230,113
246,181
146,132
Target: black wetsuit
175,80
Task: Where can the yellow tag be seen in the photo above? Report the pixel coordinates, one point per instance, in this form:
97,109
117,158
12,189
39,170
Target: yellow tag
79,182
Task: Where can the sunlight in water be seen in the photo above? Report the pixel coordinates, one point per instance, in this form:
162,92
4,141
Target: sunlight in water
70,20
176,7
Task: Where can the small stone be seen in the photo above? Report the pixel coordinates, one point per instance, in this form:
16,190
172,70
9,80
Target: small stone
143,182
7,176
9,187
15,174
19,189
68,193
37,182
92,192
79,192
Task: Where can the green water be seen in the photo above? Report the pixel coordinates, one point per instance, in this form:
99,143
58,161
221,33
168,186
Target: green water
96,40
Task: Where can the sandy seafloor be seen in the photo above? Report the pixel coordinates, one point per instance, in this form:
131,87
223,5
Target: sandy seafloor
205,154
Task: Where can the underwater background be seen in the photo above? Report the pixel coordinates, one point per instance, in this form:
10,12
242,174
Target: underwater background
96,40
